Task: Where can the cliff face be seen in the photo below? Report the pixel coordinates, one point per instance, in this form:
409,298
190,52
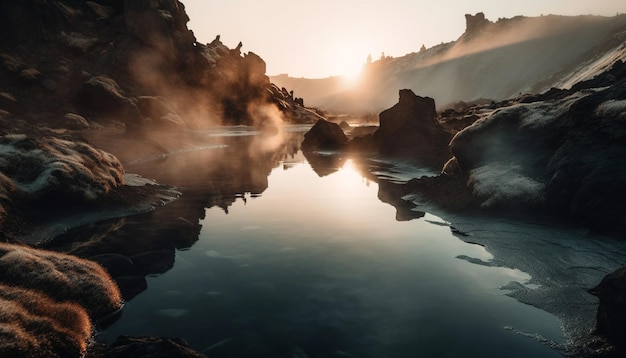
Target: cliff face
51,52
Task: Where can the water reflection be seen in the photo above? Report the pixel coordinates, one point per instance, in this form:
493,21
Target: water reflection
316,266
308,269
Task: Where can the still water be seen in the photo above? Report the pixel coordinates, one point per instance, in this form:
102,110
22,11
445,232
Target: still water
318,266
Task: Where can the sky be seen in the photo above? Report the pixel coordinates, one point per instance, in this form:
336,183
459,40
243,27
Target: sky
321,38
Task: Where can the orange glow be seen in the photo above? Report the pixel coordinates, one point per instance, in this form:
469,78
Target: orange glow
349,182
347,61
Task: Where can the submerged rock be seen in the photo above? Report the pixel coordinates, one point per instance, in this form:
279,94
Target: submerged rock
410,130
324,135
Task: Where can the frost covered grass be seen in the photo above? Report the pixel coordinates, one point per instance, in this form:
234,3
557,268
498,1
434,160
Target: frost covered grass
45,166
34,325
47,299
502,184
60,276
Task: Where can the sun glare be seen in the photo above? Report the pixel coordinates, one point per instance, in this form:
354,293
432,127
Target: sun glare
347,62
347,180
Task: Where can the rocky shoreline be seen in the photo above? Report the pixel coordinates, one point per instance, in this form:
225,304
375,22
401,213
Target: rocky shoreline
90,87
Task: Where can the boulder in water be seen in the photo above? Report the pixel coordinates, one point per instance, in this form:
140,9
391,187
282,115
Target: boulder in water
410,130
324,135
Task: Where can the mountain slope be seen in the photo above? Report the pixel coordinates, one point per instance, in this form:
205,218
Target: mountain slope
494,60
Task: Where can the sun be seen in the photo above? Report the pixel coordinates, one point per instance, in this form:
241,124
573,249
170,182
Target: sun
347,62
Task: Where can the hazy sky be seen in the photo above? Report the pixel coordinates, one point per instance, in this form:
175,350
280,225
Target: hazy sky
319,38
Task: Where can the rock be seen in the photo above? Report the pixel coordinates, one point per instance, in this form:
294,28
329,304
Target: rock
154,106
256,67
410,130
611,318
49,84
30,74
102,12
8,101
344,125
170,121
474,24
77,42
162,115
102,95
22,22
324,135
55,168
74,121
561,154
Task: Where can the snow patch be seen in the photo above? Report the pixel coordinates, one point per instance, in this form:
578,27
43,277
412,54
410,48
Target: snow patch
501,184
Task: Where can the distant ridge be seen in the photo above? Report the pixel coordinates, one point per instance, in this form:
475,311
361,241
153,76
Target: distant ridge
492,60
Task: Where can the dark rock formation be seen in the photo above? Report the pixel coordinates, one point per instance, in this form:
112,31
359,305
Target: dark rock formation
410,130
100,56
611,320
49,167
560,153
324,135
474,24
101,95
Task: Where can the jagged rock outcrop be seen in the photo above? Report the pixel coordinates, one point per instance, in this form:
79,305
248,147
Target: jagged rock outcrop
50,167
324,135
410,130
474,24
123,50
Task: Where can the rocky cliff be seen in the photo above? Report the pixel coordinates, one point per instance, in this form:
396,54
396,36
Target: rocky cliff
96,59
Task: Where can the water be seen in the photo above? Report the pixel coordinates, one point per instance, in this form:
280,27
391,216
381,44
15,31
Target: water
318,266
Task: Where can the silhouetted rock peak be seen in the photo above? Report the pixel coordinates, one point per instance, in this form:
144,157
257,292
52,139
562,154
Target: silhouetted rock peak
474,23
410,129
